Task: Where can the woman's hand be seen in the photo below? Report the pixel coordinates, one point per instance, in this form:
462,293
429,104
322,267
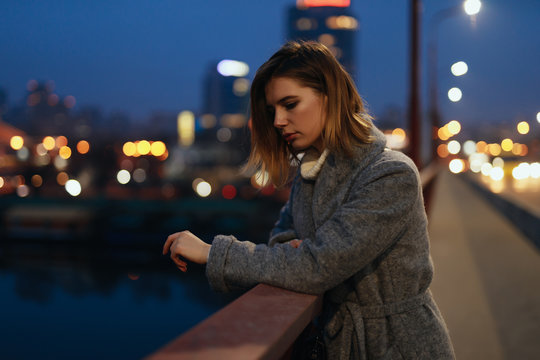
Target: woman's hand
188,246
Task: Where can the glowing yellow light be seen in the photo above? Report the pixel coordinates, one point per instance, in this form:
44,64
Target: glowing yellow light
62,178
507,145
444,133
143,147
129,148
37,180
83,147
16,142
456,166
460,68
400,133
481,147
186,128
523,127
1,182
516,149
233,68
538,117
61,141
327,39
49,143
123,177
65,152
472,7
455,94
73,187
454,127
494,149
342,22
454,147
203,189
158,148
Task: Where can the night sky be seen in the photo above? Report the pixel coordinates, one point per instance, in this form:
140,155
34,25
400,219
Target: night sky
140,56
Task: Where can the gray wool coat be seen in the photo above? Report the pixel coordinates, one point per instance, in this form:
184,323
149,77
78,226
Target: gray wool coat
365,247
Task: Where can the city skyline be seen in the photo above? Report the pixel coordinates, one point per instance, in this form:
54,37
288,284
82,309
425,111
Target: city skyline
143,58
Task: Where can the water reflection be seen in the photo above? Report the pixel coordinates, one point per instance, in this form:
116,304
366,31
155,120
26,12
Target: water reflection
66,302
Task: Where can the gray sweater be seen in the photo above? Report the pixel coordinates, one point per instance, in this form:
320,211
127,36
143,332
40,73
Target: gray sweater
365,247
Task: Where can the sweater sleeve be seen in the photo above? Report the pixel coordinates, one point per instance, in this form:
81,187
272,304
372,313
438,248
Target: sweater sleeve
374,214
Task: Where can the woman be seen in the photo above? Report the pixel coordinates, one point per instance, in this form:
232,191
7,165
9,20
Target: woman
354,228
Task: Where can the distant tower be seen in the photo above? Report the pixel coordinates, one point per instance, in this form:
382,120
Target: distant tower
226,99
329,22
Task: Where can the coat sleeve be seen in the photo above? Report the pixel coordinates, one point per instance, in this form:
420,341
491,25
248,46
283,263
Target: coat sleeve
374,214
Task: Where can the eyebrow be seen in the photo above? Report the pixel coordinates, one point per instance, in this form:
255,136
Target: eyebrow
285,99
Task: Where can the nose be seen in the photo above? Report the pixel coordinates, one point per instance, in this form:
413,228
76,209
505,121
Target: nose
280,119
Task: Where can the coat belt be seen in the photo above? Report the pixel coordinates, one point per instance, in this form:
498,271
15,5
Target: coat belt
350,317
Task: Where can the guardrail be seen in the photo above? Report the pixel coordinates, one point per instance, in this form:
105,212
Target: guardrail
263,323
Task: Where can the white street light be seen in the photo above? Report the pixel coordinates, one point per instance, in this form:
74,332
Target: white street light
455,94
459,68
472,7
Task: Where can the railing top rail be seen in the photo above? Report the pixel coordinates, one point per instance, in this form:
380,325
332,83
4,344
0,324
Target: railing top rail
261,324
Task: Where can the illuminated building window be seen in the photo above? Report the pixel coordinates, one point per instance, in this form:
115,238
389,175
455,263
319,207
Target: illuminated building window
342,22
327,39
304,24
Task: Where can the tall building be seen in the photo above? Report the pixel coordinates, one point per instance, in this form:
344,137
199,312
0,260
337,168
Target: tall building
329,22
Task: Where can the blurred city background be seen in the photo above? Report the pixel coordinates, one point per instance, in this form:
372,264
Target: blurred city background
122,122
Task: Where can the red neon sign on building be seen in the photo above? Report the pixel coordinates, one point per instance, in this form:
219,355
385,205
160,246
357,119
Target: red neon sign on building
315,3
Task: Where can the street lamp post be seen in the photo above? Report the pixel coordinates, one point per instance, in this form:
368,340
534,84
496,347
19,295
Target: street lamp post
471,7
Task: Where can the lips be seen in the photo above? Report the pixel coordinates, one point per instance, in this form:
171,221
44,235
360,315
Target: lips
289,136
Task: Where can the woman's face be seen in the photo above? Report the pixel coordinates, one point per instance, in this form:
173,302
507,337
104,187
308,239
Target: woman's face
297,111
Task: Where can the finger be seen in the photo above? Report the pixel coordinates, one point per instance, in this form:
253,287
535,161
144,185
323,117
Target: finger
168,242
182,268
177,261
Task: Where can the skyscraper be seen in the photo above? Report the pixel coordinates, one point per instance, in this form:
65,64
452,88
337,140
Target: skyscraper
329,22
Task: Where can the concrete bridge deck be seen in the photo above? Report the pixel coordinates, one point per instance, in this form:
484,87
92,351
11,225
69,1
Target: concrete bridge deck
487,276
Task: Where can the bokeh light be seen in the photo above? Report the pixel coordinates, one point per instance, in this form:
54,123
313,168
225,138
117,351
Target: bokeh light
139,175
523,127
228,192
455,94
472,7
454,147
454,127
442,151
143,147
36,180
61,141
16,142
83,147
507,145
497,174
73,187
129,148
123,177
49,143
456,166
460,68
65,152
62,178
469,147
203,189
23,190
158,148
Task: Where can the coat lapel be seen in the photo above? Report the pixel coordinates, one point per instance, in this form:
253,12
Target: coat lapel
333,182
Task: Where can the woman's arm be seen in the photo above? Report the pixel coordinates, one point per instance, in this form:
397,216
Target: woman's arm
376,212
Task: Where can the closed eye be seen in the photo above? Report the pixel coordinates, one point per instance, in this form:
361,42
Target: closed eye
292,105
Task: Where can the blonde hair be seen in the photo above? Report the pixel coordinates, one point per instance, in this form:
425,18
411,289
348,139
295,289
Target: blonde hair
312,65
